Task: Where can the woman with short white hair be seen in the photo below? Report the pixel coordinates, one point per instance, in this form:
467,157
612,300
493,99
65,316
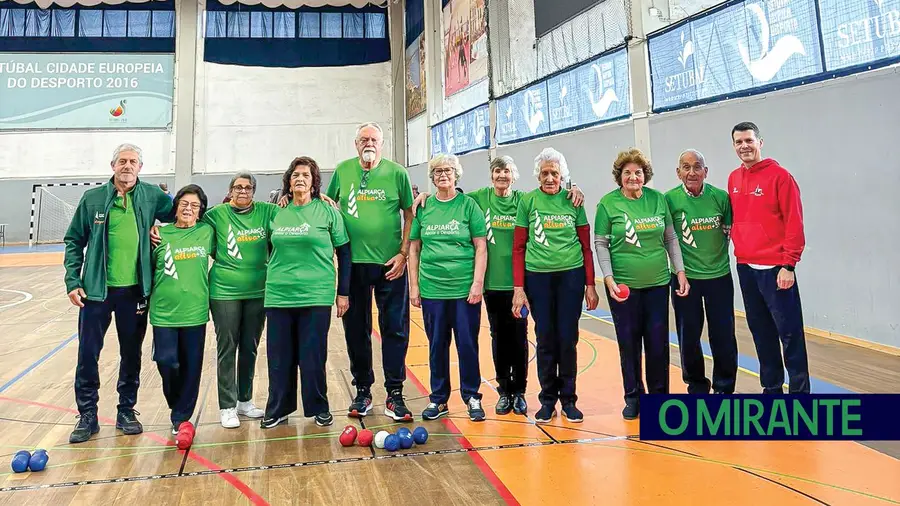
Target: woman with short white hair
553,272
447,262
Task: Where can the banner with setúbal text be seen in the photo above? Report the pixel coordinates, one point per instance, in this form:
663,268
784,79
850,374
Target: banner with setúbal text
89,91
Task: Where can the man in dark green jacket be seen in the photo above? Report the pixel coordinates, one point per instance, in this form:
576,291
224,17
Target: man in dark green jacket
112,224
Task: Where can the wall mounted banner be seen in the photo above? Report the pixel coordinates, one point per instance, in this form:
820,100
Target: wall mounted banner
90,91
467,132
857,32
747,45
595,91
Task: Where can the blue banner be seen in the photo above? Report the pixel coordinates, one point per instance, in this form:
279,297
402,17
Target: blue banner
745,46
467,132
590,93
849,417
75,90
857,32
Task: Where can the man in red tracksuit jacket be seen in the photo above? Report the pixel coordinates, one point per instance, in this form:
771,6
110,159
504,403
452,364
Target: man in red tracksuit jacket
768,239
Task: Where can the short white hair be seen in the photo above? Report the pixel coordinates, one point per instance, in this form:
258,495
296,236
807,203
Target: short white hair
550,155
368,124
445,159
127,147
694,152
505,162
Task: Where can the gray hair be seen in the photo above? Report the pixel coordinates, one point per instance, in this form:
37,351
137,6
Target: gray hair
372,124
694,152
243,175
505,162
127,147
448,159
550,155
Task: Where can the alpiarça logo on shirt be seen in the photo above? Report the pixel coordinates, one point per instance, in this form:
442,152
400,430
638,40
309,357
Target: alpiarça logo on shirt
558,221
449,228
649,223
301,230
250,234
190,252
363,195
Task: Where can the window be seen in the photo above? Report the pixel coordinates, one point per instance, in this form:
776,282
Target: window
304,24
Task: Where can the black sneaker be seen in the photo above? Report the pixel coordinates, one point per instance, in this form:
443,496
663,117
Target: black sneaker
127,422
434,411
504,405
268,423
361,405
476,412
572,413
520,407
632,410
86,427
545,414
395,407
324,419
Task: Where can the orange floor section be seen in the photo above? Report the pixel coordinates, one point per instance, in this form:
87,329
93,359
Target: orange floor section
610,469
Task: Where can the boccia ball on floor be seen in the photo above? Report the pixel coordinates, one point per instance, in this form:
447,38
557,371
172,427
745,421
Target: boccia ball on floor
420,435
380,437
348,436
406,438
20,461
392,443
185,437
38,460
365,437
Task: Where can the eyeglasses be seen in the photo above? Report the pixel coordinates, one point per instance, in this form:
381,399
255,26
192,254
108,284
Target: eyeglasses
242,189
183,204
443,171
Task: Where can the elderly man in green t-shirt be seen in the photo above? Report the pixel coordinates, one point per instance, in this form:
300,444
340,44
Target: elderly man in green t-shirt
112,224
372,193
701,214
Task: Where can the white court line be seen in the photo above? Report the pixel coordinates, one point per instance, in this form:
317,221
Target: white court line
27,295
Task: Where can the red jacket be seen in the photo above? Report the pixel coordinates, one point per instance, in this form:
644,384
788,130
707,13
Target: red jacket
768,215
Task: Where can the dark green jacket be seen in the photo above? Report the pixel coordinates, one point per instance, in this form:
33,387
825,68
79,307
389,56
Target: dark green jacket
89,230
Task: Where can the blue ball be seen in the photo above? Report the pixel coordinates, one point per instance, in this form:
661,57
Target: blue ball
524,312
403,431
38,460
420,435
20,461
392,443
406,440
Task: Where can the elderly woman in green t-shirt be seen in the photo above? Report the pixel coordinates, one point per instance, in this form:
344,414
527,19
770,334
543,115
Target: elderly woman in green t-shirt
447,262
635,241
179,302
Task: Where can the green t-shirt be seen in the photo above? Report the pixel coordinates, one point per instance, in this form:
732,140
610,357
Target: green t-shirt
121,267
553,243
243,243
698,222
500,219
301,270
371,207
180,296
447,258
636,232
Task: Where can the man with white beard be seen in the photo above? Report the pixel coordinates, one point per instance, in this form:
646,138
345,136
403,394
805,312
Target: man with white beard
372,192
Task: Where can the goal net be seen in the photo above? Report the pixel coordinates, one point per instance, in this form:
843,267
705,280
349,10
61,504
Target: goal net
54,207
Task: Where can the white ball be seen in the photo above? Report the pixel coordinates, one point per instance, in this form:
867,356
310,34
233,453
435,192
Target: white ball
380,437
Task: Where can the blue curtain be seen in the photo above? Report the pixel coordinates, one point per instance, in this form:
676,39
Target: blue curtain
17,23
115,24
239,24
375,25
90,24
353,25
215,24
309,25
415,20
139,23
284,25
332,25
163,24
63,23
37,23
261,25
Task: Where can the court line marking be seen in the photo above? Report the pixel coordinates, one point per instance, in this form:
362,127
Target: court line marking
38,362
27,295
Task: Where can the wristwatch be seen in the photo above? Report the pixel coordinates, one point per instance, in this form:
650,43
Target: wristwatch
789,268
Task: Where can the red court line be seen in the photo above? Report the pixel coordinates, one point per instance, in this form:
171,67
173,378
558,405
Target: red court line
230,478
479,461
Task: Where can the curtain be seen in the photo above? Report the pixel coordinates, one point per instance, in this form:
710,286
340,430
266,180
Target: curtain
163,24
138,23
309,25
332,25
239,24
90,24
115,23
375,25
353,25
215,24
261,25
284,25
63,23
37,23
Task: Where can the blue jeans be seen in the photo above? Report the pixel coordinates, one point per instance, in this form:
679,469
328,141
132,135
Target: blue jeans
392,299
556,300
456,316
297,338
131,325
717,295
178,353
643,321
775,318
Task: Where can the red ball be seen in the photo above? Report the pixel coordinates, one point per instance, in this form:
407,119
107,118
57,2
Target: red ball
623,291
348,436
366,437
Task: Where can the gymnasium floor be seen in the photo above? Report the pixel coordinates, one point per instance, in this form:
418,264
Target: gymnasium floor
505,460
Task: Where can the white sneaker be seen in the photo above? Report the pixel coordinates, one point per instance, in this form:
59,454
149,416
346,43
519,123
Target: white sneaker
249,410
229,418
